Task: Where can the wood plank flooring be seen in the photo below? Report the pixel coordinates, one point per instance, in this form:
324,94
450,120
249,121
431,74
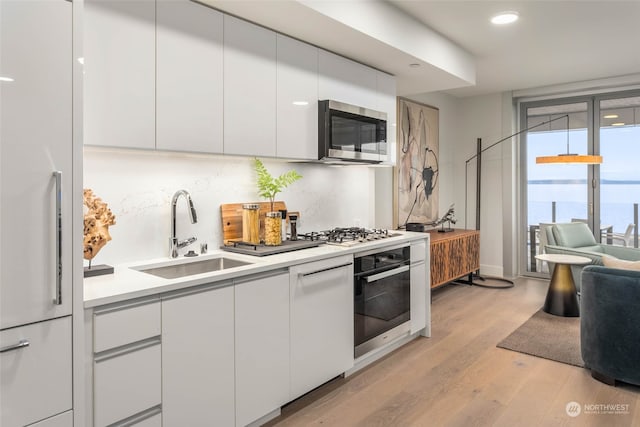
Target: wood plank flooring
458,377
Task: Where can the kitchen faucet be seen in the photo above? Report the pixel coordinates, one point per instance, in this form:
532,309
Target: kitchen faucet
174,244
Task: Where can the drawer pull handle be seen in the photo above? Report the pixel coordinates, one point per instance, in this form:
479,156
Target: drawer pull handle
324,269
21,344
57,300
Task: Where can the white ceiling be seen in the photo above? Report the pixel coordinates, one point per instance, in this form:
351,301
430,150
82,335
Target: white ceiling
553,42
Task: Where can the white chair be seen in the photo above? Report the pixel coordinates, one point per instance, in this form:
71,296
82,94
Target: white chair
543,238
626,238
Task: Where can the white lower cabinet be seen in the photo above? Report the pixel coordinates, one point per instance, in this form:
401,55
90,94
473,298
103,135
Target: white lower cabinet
223,354
153,421
126,382
198,376
321,322
35,372
62,420
262,346
126,353
420,287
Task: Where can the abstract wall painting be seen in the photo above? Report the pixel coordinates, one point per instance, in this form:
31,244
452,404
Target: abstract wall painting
417,163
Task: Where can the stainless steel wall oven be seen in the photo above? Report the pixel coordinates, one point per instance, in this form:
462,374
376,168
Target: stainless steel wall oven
382,307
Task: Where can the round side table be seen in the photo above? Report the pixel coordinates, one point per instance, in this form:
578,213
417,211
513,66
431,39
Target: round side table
562,296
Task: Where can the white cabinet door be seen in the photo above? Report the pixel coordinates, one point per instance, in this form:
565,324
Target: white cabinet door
189,77
420,291
386,88
297,93
198,359
262,346
36,135
249,89
35,372
321,322
344,80
119,73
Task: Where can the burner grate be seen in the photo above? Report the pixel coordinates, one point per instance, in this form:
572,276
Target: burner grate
346,235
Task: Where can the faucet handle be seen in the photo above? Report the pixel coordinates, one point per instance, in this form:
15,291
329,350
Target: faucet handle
186,242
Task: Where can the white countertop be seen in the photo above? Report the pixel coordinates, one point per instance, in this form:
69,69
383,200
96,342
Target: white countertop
126,283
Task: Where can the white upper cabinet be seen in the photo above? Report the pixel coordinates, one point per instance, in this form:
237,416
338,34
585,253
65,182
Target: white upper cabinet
189,77
386,90
297,93
343,80
36,135
249,89
119,65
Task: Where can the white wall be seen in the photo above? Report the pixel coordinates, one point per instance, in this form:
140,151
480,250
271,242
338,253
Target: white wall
462,122
138,186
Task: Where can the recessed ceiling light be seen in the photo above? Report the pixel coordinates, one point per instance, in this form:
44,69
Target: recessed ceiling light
504,18
81,60
300,103
617,124
414,65
6,79
611,116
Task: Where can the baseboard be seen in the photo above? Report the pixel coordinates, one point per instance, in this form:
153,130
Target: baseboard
491,270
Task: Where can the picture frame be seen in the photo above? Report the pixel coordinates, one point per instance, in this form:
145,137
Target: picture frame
416,175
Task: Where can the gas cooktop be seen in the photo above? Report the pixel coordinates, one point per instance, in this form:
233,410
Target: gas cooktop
349,236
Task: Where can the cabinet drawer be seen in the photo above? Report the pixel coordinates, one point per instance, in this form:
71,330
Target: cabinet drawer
35,379
62,420
127,383
120,325
154,421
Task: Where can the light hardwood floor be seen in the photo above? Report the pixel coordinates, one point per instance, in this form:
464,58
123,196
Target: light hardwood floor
458,377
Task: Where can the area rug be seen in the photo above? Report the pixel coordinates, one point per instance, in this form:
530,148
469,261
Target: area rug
548,336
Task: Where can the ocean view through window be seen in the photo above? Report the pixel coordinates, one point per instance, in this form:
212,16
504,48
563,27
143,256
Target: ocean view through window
604,194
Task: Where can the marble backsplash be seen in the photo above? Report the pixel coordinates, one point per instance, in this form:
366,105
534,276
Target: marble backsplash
138,186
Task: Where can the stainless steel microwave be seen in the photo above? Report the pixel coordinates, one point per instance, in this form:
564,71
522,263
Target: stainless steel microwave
348,133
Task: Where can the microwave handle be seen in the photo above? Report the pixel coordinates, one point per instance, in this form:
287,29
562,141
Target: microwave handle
385,274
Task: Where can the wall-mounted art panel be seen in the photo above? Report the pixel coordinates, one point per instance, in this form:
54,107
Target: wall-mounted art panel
417,166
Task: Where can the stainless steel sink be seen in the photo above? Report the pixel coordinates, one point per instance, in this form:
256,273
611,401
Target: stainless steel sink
175,271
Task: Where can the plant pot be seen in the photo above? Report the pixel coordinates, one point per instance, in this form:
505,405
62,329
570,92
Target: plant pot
272,229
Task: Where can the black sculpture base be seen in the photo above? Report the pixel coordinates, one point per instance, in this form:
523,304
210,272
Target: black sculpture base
98,270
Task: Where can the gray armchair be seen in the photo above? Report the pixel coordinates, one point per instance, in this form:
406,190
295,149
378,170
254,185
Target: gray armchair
610,315
576,238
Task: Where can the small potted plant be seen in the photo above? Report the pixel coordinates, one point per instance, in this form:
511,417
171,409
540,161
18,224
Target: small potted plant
268,187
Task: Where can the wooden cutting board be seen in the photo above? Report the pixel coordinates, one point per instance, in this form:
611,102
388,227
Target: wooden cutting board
231,214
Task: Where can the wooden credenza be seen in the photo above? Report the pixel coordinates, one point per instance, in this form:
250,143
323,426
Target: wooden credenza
453,254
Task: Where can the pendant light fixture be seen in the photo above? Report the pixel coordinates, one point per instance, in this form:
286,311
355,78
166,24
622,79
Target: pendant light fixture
585,159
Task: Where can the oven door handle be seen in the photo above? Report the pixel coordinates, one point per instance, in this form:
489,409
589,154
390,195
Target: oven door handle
385,274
